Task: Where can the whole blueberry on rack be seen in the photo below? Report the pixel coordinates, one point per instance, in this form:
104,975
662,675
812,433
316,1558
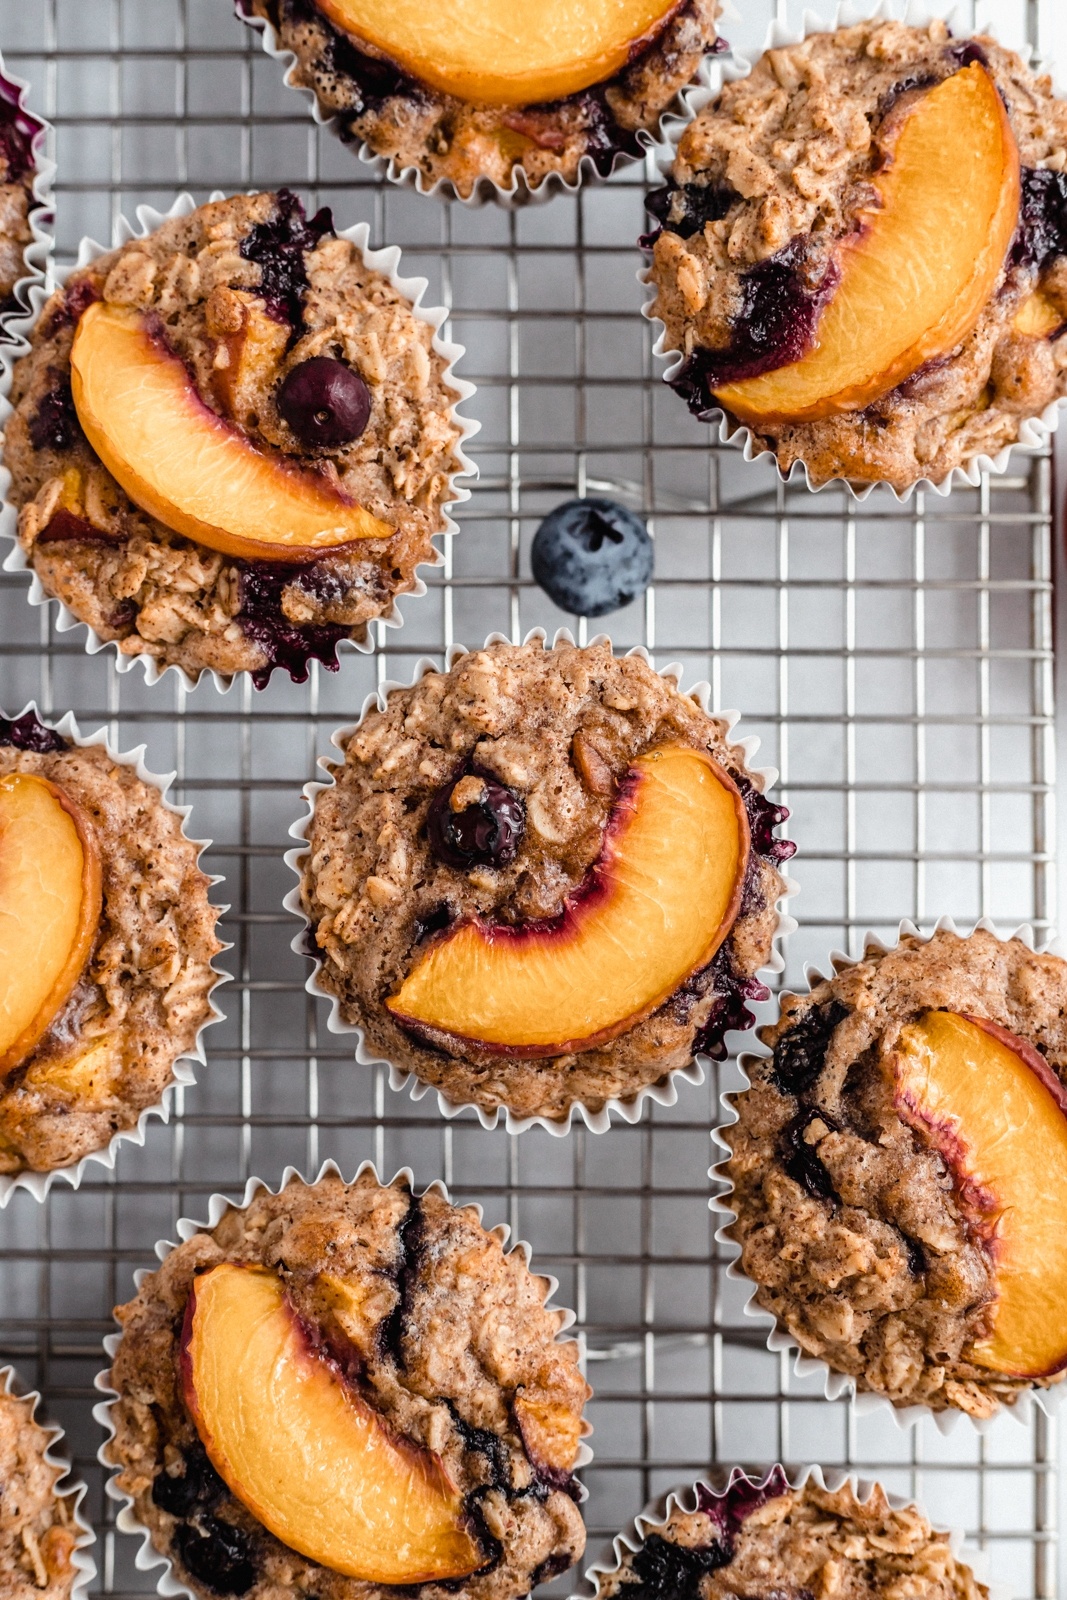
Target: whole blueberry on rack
592,556
324,402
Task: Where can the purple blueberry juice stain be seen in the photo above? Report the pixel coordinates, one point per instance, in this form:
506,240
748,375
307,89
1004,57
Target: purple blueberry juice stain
729,1011
278,247
18,131
729,1510
665,1570
28,732
288,646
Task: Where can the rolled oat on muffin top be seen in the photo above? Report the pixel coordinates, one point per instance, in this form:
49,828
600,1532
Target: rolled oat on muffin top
543,879
232,441
899,1171
862,252
482,93
39,1531
349,1391
770,1540
106,936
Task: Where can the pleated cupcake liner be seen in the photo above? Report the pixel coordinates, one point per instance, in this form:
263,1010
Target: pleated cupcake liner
37,255
38,1184
685,1499
148,1556
838,1385
81,1557
387,262
664,1092
1034,432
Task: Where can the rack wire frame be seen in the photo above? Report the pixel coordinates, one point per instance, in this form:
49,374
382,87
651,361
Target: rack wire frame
896,660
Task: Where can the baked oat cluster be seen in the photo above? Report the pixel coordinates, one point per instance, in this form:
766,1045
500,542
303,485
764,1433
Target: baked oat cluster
769,1539
143,995
19,133
447,1340
532,745
776,174
464,143
258,301
38,1532
866,1224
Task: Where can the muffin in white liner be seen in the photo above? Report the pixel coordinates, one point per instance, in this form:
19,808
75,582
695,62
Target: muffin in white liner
708,1515
725,997
182,1069
34,1468
24,222
959,1387
423,1251
387,263
1033,430
629,146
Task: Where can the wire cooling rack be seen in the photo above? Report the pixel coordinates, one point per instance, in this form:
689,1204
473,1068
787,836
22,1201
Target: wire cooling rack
897,663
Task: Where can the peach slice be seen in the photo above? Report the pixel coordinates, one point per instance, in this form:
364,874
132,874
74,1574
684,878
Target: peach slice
188,467
652,911
914,279
50,901
504,52
303,1450
997,1114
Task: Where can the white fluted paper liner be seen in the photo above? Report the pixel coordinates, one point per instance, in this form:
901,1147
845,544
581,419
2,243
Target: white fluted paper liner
665,1091
81,1559
148,1556
1034,432
519,193
386,261
39,1183
38,252
838,1385
684,1498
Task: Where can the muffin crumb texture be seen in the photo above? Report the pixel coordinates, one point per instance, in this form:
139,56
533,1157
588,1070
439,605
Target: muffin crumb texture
769,180
38,1533
861,1240
446,1336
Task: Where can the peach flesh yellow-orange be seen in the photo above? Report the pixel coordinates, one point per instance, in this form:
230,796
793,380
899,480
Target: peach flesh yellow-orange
300,1447
653,910
915,278
505,52
187,467
997,1114
50,900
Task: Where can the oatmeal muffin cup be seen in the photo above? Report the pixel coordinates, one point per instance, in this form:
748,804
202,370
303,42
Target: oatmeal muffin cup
564,91
107,938
231,439
342,1390
25,197
787,1533
859,260
44,1539
541,882
897,1172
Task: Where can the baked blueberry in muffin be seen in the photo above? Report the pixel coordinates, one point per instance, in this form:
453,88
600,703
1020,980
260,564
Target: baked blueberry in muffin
21,136
486,90
232,442
348,1390
899,1171
765,1540
861,252
543,879
106,942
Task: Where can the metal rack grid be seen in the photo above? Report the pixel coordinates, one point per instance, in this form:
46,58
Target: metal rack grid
897,663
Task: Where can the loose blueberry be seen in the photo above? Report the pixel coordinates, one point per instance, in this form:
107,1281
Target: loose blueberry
216,1554
198,1489
485,833
592,556
324,402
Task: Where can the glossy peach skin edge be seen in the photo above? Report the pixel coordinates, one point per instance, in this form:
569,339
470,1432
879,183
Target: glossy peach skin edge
586,901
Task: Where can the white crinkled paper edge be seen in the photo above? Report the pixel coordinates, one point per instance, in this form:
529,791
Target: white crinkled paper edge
147,1555
664,1092
837,1385
38,253
519,193
1034,432
684,1499
385,261
38,1183
81,1559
